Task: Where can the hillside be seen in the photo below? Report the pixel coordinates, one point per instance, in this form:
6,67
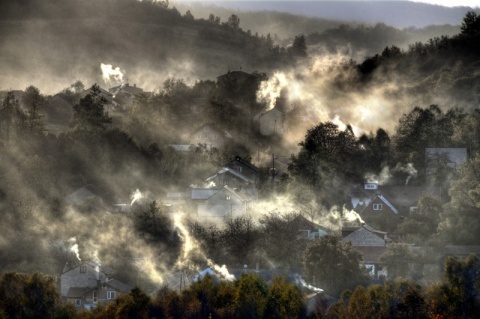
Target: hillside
150,42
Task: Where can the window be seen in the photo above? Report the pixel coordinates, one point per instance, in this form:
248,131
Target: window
110,294
377,206
95,296
238,169
83,269
78,302
227,197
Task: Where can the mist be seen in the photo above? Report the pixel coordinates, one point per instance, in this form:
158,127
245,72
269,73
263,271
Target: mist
109,176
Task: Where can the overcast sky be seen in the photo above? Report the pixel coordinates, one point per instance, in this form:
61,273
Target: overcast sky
446,3
453,3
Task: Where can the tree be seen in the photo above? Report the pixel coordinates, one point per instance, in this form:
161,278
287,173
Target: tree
280,239
35,102
240,239
326,158
299,47
284,300
233,21
89,113
359,305
12,118
250,298
470,24
152,220
135,304
28,296
397,258
463,277
460,222
333,265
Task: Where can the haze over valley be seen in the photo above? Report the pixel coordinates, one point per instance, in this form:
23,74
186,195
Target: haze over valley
239,159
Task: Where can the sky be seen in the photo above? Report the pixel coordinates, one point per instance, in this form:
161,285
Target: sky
452,3
446,3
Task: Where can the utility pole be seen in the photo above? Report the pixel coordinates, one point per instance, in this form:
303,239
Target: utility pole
273,172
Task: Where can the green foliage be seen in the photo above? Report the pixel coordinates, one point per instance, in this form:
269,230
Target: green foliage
89,113
333,265
460,223
325,160
470,24
251,296
28,296
284,300
397,258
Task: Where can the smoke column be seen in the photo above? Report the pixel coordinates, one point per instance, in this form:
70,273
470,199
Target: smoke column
111,74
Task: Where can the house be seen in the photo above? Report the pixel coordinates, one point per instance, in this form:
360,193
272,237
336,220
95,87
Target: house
124,95
403,199
210,136
234,81
309,230
245,168
227,176
380,212
371,244
225,203
89,284
82,196
270,122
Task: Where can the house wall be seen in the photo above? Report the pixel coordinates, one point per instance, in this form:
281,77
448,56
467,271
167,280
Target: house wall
383,219
245,170
208,136
75,278
87,301
271,123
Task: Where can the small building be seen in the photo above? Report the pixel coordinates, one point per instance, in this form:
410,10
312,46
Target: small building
89,284
270,122
210,136
227,176
124,94
381,213
85,195
225,203
371,244
245,168
308,229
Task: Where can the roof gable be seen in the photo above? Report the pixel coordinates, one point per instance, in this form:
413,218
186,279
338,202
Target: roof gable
364,237
239,160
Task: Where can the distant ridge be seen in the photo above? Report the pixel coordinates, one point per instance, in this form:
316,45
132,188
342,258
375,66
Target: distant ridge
401,14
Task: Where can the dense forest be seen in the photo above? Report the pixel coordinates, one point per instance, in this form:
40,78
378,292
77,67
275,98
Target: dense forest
344,121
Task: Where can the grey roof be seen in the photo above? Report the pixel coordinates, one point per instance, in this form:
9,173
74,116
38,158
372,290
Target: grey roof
126,88
181,147
213,128
270,111
364,237
235,173
202,193
406,196
80,195
118,285
386,202
240,194
244,162
371,254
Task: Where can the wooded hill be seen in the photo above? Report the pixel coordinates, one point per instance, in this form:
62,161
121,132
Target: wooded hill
151,41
